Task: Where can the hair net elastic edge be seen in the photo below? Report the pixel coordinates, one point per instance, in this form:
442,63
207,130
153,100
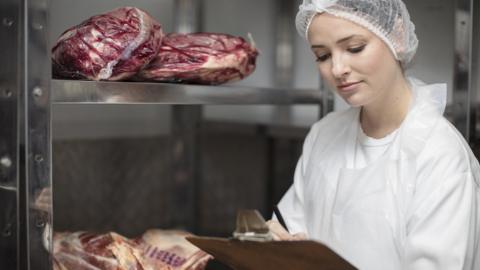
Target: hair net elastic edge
355,19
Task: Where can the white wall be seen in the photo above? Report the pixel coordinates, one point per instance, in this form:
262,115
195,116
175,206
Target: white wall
433,18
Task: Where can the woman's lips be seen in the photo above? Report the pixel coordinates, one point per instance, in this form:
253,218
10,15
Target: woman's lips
348,86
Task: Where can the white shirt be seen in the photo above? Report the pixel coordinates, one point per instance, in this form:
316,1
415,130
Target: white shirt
368,149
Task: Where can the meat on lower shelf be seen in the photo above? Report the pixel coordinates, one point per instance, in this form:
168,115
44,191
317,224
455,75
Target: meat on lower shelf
154,250
111,46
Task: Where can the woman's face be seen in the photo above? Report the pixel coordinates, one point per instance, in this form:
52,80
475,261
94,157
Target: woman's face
352,60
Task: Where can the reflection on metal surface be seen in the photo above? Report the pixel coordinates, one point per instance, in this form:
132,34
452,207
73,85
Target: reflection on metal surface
7,231
7,22
38,158
5,162
5,171
10,187
9,89
37,91
6,93
251,226
65,91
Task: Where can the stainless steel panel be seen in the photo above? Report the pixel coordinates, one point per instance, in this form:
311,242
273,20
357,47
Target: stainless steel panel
188,16
88,92
35,77
9,96
185,125
284,48
284,42
327,103
463,96
185,173
475,83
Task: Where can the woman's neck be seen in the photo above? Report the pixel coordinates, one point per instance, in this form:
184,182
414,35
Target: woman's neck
387,113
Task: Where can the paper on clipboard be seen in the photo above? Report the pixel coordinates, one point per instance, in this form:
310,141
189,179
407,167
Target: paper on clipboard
272,255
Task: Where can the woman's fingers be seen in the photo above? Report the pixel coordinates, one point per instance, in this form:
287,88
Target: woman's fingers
300,236
279,233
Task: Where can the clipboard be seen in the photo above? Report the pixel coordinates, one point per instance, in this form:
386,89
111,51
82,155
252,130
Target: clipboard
271,255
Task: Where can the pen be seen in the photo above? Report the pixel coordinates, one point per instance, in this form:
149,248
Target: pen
279,217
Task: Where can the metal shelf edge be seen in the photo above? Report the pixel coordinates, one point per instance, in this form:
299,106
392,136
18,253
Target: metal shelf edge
92,92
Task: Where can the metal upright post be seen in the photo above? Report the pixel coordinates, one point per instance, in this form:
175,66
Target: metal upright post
10,17
284,53
283,78
464,96
185,127
35,74
284,43
327,100
475,81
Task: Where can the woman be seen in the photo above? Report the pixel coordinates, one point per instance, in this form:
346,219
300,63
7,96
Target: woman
388,183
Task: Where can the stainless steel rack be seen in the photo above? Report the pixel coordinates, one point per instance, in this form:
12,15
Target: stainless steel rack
27,93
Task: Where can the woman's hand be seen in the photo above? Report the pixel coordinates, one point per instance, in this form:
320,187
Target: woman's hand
280,234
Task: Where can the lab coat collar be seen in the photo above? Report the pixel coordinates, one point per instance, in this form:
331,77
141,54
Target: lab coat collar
428,106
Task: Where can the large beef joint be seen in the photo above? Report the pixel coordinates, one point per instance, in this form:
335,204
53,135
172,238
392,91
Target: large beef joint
85,251
111,46
203,58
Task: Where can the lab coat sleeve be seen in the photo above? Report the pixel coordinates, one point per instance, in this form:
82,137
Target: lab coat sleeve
440,221
292,203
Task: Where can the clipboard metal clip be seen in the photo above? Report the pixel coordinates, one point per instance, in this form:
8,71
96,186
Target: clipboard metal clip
251,227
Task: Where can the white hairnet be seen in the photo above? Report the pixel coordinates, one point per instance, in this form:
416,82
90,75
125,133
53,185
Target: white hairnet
388,19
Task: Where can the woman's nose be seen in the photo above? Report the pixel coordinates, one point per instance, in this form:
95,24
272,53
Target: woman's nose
340,67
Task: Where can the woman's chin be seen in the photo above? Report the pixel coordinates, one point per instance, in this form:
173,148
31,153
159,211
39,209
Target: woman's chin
354,102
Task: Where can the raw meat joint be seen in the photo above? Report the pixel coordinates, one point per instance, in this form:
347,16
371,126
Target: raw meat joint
204,58
112,46
168,249
154,250
89,251
127,44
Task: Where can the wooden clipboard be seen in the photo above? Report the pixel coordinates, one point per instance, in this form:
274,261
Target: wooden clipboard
272,255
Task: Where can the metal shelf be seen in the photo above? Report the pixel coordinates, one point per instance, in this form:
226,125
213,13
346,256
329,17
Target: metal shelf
92,92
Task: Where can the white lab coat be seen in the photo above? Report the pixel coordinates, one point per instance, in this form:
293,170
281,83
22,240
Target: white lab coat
416,207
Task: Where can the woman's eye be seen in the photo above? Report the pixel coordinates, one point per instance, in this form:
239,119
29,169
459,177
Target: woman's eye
356,49
323,57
